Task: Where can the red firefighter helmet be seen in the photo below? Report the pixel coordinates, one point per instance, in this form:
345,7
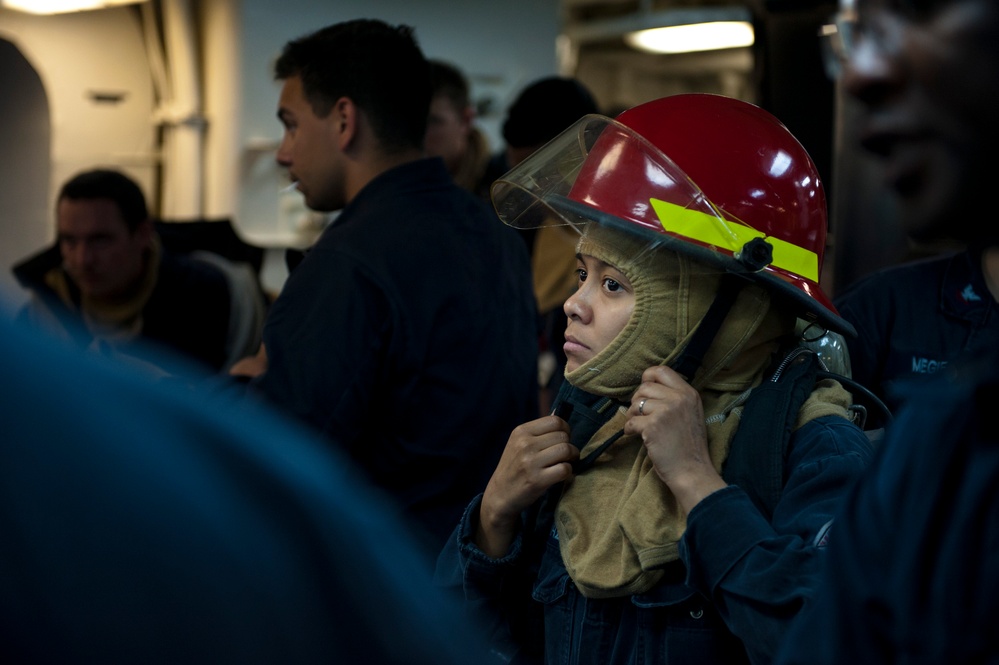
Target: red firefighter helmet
711,176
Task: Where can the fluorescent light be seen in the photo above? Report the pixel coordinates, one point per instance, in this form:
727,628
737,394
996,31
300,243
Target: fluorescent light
692,37
61,6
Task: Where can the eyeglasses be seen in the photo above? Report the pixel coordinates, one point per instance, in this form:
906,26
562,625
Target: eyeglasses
881,30
838,42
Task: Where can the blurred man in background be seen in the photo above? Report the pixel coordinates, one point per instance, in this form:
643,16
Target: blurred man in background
911,572
109,284
451,131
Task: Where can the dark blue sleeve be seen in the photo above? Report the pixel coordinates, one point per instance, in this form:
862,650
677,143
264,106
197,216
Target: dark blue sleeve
759,574
502,595
911,573
843,624
491,589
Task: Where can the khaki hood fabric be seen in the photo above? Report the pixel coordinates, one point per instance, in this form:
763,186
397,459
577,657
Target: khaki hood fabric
618,523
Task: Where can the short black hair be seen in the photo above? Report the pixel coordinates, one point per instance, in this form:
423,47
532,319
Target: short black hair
544,109
109,184
378,66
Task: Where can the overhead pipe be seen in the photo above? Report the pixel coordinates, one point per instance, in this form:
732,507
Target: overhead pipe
180,116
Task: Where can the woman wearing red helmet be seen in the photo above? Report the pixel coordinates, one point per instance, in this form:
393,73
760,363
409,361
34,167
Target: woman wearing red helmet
656,516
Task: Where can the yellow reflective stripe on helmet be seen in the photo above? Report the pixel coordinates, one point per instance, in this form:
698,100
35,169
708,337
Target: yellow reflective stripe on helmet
711,230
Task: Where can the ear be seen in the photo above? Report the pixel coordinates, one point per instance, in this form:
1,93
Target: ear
344,118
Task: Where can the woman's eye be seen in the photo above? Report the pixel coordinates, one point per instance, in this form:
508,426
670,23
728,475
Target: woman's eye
611,285
580,274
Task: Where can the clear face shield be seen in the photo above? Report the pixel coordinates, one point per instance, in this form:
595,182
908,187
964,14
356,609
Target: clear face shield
599,171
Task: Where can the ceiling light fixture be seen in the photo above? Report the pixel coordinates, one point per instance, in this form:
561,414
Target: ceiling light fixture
61,6
678,30
692,37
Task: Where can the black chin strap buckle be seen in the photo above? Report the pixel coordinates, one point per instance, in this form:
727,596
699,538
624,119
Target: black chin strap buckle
756,254
689,360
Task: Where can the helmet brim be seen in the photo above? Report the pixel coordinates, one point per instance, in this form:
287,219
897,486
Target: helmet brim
803,296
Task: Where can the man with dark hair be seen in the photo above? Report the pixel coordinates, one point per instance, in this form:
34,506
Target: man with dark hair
916,318
451,131
406,335
109,284
376,52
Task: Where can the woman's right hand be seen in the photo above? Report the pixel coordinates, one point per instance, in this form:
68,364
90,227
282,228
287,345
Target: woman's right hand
537,456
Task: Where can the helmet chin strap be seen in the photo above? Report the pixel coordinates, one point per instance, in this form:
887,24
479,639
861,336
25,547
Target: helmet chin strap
690,359
755,255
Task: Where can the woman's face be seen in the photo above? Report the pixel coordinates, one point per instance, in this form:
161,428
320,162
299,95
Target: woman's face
597,311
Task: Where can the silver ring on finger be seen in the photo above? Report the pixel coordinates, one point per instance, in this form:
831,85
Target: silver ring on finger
641,408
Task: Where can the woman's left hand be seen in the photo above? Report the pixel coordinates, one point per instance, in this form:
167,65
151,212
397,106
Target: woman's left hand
667,413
